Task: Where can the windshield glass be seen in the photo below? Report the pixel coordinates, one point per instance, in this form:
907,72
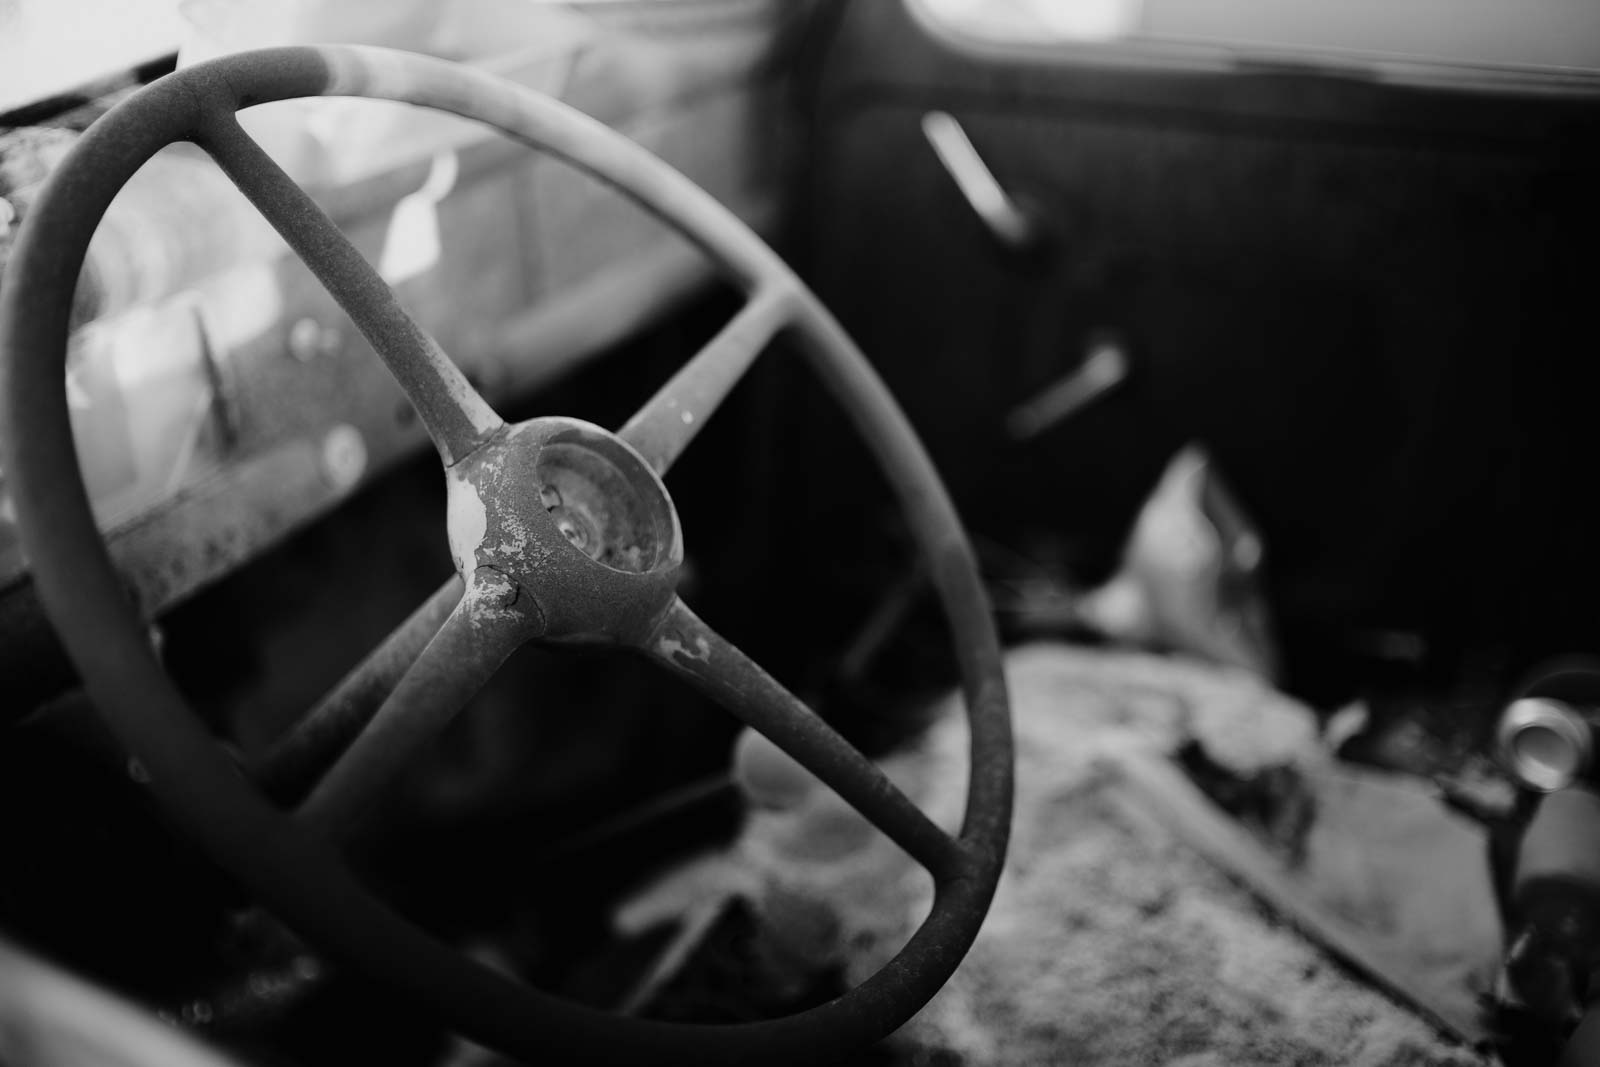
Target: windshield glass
1538,33
51,47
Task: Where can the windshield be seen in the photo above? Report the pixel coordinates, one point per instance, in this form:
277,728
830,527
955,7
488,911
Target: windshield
51,47
1538,33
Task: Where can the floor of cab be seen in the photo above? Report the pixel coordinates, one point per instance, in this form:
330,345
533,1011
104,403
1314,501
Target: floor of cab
1112,940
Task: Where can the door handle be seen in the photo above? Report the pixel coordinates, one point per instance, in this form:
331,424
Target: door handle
1009,224
1104,368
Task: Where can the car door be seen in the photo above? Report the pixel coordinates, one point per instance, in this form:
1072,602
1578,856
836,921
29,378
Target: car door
1348,255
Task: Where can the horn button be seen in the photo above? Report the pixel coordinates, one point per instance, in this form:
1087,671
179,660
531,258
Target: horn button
576,519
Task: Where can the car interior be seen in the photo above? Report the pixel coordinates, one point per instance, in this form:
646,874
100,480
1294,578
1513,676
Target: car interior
1125,606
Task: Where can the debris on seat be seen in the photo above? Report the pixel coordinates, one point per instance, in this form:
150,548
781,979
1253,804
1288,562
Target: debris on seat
1113,938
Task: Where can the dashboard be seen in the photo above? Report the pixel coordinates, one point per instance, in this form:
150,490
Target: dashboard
219,397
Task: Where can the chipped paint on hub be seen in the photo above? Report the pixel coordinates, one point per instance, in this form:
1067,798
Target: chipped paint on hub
466,521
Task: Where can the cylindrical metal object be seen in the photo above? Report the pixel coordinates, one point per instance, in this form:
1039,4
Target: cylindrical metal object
1547,744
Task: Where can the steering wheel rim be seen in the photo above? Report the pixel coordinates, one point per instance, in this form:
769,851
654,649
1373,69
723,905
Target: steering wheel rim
300,875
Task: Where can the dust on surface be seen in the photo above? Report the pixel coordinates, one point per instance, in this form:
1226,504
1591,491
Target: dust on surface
1109,942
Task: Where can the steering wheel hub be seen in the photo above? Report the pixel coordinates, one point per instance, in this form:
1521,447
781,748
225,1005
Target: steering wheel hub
560,531
576,519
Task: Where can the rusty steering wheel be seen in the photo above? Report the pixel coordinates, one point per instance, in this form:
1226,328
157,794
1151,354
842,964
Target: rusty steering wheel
559,530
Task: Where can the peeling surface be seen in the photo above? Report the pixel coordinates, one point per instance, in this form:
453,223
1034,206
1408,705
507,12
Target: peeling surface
669,647
545,510
466,521
493,598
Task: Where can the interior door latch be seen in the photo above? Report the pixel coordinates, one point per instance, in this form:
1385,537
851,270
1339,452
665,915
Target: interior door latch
1010,224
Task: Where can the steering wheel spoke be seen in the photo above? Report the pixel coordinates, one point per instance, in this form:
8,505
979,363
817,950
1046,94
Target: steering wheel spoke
481,631
308,748
561,531
456,417
689,648
663,428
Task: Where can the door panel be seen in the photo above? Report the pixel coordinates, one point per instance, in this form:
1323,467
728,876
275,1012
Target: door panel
1368,301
